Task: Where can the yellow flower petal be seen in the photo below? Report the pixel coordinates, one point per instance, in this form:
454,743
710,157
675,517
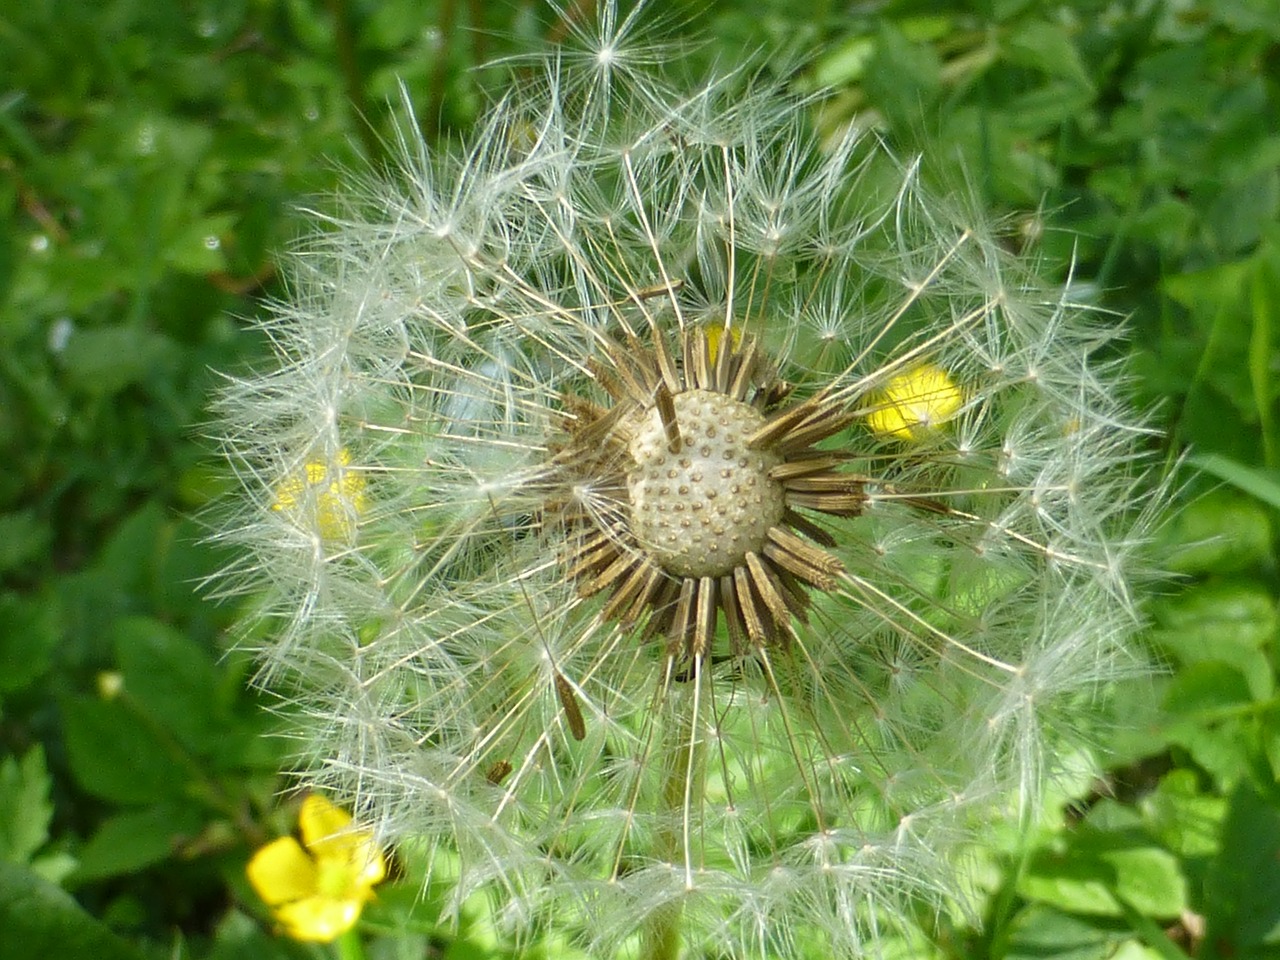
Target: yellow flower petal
369,862
319,820
328,835
319,919
317,893
281,872
915,402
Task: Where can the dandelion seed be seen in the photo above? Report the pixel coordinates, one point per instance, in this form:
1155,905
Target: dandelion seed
724,529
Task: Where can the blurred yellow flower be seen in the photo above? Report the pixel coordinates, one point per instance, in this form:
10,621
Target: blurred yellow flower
331,495
715,332
317,888
914,402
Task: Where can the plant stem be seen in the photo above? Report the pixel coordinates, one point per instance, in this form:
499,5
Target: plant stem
680,796
448,21
662,935
350,946
349,63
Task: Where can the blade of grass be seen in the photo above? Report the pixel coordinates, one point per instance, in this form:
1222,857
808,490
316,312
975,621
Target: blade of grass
1262,484
1260,344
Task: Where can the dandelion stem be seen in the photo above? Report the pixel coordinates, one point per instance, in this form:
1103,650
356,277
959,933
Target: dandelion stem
663,934
681,793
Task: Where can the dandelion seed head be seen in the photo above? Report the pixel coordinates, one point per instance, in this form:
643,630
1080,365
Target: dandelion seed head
683,527
701,509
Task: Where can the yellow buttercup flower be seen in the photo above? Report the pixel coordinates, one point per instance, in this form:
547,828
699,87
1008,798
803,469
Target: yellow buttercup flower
317,888
913,403
330,495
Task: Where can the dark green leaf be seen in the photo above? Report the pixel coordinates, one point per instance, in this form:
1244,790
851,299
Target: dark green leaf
169,677
119,756
1222,532
1242,906
1210,687
1046,47
30,627
38,919
1039,932
902,77
135,839
240,937
107,360
25,808
23,538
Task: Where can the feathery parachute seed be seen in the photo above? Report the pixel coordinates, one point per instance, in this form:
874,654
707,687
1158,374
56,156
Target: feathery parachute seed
680,529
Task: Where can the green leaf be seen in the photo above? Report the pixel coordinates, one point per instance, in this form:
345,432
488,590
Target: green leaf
1043,109
1046,47
170,677
1039,932
1183,818
116,755
1224,621
1264,300
1242,908
1262,484
29,631
1070,883
25,807
902,77
106,360
240,937
1246,15
1155,944
128,558
23,538
1094,877
845,63
1169,222
1208,688
1149,880
38,919
1222,532
1225,750
135,839
1210,711
197,248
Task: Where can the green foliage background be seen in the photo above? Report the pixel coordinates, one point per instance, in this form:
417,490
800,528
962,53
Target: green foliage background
153,156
